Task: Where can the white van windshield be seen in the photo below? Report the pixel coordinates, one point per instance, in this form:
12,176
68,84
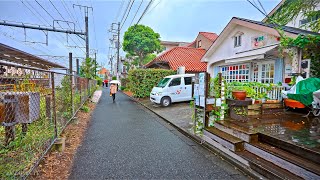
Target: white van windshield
163,82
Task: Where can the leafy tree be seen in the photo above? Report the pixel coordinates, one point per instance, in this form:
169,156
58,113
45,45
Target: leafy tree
87,68
292,8
148,58
310,44
140,40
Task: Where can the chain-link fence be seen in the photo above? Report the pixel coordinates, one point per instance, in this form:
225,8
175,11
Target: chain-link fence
35,107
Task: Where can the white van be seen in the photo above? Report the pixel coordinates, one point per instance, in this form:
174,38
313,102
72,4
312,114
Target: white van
174,88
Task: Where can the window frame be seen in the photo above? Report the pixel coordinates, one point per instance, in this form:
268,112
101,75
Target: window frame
186,81
170,84
237,40
236,72
199,44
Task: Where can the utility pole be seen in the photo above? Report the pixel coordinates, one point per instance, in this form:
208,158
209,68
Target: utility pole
95,64
118,50
116,34
86,19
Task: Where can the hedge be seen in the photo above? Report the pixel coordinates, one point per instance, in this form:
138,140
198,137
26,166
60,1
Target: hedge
141,81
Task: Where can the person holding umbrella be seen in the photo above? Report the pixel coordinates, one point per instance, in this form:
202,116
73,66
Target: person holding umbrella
114,89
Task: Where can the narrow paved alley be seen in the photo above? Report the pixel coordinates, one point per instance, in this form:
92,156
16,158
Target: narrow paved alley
126,141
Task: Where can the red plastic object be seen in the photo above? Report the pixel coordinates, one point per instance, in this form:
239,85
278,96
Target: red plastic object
293,103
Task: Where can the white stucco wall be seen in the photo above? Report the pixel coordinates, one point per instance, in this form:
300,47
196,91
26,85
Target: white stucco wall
296,22
227,50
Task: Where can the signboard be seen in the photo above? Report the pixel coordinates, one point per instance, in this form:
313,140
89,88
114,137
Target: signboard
201,84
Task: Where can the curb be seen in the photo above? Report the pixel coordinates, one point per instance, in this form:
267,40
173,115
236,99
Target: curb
247,170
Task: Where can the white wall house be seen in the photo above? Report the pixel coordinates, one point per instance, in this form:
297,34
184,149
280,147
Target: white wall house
247,50
299,22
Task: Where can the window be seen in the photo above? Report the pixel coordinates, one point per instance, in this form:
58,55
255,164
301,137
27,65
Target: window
187,80
263,72
237,41
175,82
163,82
236,72
306,21
199,43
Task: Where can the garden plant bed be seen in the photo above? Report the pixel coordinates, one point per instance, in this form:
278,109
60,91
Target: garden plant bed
57,165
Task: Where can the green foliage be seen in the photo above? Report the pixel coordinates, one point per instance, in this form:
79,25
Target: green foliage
85,109
87,68
99,81
114,77
141,81
122,88
140,40
215,87
148,58
292,8
310,44
249,87
124,81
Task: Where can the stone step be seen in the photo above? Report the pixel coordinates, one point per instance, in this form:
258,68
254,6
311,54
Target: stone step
266,168
291,148
232,143
237,131
295,164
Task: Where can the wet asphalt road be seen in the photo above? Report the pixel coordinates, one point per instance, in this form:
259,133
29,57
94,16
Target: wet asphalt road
126,141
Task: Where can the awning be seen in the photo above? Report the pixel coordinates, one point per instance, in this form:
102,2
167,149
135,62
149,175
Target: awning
17,56
253,54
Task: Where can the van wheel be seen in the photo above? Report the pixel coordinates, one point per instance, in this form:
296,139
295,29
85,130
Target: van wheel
165,101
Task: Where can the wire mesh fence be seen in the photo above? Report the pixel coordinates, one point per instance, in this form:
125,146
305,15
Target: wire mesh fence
35,106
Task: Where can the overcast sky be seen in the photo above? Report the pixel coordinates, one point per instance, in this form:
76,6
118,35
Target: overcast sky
174,20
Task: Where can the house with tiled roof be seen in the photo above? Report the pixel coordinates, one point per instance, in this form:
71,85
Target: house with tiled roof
180,56
248,50
203,40
187,56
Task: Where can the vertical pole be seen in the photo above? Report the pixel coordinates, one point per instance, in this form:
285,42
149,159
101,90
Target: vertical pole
71,82
87,33
54,112
78,68
118,50
223,99
95,65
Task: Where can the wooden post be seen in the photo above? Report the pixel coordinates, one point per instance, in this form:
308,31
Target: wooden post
48,107
206,94
222,97
71,83
54,112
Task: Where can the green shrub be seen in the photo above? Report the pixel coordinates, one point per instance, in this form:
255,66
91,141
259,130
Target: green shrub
124,81
122,88
141,81
99,81
85,108
114,77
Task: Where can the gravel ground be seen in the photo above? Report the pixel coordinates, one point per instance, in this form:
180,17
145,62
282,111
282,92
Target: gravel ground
126,141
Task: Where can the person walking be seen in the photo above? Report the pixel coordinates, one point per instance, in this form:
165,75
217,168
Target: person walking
113,91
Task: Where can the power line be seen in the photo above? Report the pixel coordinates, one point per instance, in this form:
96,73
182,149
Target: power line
122,3
136,13
125,12
154,6
94,27
70,14
127,15
262,7
145,10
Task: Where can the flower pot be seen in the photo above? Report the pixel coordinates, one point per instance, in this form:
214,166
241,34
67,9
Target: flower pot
239,95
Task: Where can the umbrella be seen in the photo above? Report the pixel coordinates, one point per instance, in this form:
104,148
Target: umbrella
114,82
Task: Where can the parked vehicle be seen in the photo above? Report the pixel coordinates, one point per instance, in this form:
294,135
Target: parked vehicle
174,88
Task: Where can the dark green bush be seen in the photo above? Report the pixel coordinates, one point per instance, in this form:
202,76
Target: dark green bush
124,81
122,88
114,77
141,81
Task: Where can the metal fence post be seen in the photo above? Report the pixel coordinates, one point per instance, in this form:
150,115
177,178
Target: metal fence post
54,112
71,82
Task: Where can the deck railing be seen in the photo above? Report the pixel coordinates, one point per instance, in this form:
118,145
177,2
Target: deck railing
272,93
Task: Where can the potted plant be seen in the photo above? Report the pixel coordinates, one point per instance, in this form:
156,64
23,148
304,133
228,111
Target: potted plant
238,93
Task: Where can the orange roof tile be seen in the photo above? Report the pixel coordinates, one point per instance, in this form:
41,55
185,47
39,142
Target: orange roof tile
209,35
183,56
103,71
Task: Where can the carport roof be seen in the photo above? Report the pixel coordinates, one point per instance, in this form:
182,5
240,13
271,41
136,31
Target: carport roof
10,54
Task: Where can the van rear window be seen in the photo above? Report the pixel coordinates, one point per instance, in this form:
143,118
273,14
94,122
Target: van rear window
187,80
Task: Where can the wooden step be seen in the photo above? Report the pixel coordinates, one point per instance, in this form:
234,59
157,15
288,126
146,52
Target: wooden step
295,164
237,131
227,140
291,148
266,168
